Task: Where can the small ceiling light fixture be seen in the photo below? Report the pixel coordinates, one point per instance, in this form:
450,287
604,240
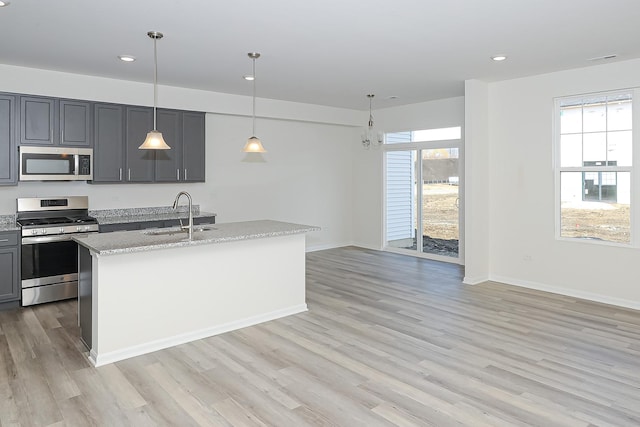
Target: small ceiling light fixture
154,140
253,144
249,78
4,3
126,58
499,58
367,135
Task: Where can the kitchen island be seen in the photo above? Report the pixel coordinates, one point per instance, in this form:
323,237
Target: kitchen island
142,291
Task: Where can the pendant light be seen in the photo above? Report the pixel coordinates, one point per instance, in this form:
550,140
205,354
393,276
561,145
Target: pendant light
367,135
253,144
154,140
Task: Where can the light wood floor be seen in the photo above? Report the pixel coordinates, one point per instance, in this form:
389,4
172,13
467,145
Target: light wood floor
388,340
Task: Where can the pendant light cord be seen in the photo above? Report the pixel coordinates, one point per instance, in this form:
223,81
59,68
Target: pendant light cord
370,113
253,133
155,79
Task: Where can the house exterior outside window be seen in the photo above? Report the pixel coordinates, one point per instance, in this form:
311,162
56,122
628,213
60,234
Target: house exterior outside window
594,166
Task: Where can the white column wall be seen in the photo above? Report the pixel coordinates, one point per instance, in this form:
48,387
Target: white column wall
477,183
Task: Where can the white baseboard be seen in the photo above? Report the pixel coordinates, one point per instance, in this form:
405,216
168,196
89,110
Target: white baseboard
315,248
474,280
363,246
605,299
137,350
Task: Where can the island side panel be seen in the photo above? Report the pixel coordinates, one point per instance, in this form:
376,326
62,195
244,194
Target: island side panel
150,300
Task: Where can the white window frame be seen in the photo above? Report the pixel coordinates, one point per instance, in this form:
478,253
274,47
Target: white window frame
418,146
634,240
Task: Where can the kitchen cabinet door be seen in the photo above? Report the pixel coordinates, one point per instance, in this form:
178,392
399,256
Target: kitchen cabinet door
168,167
140,164
37,120
193,147
9,250
75,123
8,150
109,143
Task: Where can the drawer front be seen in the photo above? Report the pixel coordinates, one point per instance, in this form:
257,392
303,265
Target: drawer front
9,238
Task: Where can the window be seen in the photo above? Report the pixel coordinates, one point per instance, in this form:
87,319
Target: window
594,166
425,135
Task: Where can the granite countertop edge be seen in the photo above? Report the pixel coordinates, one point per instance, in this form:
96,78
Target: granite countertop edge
124,242
122,216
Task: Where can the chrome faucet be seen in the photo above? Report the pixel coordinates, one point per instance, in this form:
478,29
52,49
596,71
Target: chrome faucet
175,205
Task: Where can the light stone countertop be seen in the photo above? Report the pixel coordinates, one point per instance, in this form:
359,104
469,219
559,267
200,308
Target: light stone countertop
121,216
121,242
8,223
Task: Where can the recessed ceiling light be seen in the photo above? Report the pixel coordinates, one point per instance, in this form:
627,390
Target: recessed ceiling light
126,58
248,77
4,3
499,57
392,97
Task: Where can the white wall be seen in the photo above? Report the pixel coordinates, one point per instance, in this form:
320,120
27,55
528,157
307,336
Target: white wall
477,186
368,164
306,176
523,247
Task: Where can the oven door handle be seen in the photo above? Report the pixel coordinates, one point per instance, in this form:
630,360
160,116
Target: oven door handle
48,239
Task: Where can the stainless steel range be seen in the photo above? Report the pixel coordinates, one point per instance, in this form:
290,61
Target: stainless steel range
49,260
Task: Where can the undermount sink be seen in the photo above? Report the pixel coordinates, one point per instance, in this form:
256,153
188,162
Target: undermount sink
174,230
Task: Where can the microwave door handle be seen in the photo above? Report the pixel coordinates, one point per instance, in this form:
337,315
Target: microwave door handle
76,164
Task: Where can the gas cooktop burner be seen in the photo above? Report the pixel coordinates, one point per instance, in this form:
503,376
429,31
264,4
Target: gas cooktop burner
54,216
39,222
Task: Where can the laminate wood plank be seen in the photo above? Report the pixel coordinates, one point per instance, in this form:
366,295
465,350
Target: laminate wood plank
235,415
256,405
126,395
191,405
40,401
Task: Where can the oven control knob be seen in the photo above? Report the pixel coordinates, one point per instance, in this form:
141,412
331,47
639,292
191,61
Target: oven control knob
78,229
34,231
61,230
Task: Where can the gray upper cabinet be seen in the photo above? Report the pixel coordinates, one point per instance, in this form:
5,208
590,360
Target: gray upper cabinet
109,144
183,131
37,124
8,151
169,162
49,121
75,123
140,164
193,147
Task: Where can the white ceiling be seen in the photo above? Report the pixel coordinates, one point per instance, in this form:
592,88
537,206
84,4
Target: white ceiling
329,52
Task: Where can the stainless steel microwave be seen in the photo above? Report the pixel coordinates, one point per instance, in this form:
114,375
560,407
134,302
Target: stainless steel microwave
55,164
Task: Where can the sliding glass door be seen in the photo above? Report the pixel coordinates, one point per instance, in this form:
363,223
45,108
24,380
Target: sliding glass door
422,198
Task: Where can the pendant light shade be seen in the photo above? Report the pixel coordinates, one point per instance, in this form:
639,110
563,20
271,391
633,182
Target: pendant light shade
254,145
154,139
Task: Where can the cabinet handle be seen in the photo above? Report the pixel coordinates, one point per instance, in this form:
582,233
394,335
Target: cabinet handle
62,136
185,174
4,240
129,173
120,175
178,174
